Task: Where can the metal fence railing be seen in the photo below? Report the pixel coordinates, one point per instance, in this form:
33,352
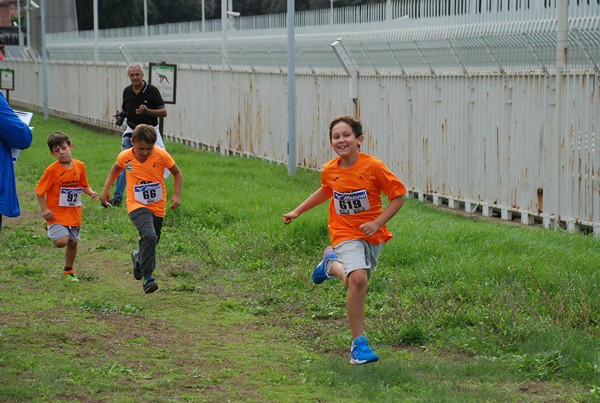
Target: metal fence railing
433,36
493,10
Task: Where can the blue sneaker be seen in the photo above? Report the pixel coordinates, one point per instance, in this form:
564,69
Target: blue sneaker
149,284
361,353
319,274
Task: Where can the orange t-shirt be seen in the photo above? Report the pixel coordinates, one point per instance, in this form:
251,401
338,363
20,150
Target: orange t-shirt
356,197
63,188
145,180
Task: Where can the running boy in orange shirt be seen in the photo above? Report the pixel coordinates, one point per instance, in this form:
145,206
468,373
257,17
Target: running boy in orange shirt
144,166
356,222
59,194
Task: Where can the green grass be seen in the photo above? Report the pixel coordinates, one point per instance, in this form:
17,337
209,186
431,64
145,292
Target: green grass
459,308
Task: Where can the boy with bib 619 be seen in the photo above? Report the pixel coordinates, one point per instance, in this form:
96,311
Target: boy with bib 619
354,182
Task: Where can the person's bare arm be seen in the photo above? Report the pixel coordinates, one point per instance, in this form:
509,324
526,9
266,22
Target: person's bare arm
177,186
312,201
90,192
45,211
158,113
111,178
371,227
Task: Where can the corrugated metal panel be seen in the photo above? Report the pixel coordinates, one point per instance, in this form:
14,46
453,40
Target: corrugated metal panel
439,35
465,140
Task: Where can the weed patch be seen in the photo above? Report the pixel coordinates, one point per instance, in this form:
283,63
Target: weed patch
109,307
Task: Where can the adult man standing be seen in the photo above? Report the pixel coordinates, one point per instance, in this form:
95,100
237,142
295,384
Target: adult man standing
14,133
142,103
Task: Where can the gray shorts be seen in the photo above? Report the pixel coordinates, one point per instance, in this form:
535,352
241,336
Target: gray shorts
57,231
357,254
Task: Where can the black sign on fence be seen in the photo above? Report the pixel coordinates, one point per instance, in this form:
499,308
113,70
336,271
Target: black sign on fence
7,81
164,77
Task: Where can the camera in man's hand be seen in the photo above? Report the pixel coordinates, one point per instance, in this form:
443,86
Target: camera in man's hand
120,118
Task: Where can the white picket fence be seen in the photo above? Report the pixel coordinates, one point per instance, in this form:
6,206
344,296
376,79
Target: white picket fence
470,115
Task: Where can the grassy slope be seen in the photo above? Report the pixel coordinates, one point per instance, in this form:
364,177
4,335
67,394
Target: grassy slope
459,309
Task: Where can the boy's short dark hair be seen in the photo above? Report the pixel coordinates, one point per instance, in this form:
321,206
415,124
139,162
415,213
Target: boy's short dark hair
56,139
144,133
354,123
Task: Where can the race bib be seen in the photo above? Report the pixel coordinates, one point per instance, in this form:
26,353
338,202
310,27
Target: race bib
148,193
351,203
70,197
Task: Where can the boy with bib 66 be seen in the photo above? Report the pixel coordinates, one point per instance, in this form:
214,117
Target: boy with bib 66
144,166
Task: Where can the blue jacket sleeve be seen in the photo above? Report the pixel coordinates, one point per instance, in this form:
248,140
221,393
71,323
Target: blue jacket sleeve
14,133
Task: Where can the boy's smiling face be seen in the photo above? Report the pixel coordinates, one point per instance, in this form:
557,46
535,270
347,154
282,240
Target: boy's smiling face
142,149
344,142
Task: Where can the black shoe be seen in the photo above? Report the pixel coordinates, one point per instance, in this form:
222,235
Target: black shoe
149,284
137,270
115,203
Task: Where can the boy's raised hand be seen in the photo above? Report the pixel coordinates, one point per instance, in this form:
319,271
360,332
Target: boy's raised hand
288,217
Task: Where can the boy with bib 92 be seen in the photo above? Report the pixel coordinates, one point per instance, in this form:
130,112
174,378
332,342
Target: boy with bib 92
59,194
354,182
144,166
